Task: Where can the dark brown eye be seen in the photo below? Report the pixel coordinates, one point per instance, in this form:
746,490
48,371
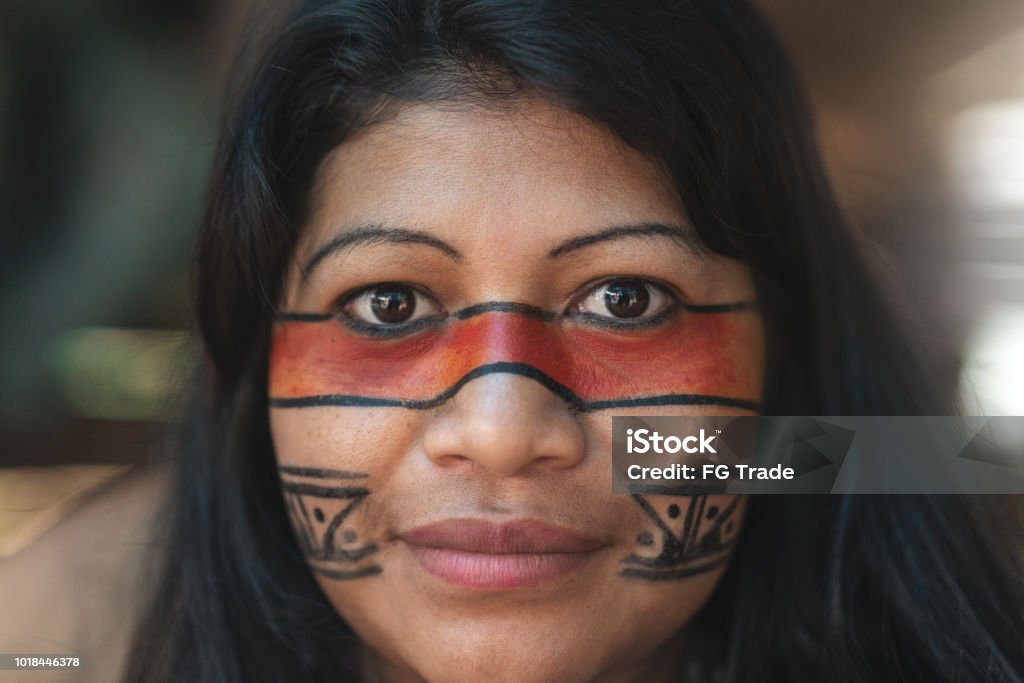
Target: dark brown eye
392,304
626,299
389,304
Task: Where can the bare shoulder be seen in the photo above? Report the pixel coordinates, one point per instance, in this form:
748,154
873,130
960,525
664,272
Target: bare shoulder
78,588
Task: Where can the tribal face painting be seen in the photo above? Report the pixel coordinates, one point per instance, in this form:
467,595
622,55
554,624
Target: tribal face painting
474,294
346,360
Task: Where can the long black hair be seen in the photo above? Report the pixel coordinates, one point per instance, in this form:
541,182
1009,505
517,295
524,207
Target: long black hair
859,588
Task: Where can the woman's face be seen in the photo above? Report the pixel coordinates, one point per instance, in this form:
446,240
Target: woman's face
475,294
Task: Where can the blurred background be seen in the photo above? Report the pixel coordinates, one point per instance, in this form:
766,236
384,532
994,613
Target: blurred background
108,112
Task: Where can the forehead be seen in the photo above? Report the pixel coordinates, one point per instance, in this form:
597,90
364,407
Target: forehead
531,173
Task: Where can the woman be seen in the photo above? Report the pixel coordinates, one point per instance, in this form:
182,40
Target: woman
445,241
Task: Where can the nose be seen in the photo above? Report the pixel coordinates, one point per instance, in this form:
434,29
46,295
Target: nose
505,424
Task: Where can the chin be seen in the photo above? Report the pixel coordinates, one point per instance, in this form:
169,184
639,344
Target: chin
502,661
519,648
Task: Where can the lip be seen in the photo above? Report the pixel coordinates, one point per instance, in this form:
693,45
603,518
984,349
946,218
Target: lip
480,554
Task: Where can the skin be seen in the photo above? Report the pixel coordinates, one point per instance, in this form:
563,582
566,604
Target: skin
503,188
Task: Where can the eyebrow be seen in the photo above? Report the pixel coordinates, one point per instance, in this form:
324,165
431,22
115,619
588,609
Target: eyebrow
378,234
682,236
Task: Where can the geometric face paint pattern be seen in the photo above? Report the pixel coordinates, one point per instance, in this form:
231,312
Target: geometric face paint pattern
687,540
694,358
322,504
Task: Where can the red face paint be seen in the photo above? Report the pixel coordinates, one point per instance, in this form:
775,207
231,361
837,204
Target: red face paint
697,358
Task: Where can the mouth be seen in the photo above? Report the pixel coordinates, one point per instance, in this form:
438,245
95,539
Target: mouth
485,555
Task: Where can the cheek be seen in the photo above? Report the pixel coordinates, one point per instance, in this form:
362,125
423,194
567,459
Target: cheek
363,440
717,355
333,466
677,558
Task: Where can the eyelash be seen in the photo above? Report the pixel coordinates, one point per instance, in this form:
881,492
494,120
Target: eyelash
671,309
396,330
384,330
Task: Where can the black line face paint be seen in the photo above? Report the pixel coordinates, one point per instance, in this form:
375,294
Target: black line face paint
321,503
688,536
700,357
